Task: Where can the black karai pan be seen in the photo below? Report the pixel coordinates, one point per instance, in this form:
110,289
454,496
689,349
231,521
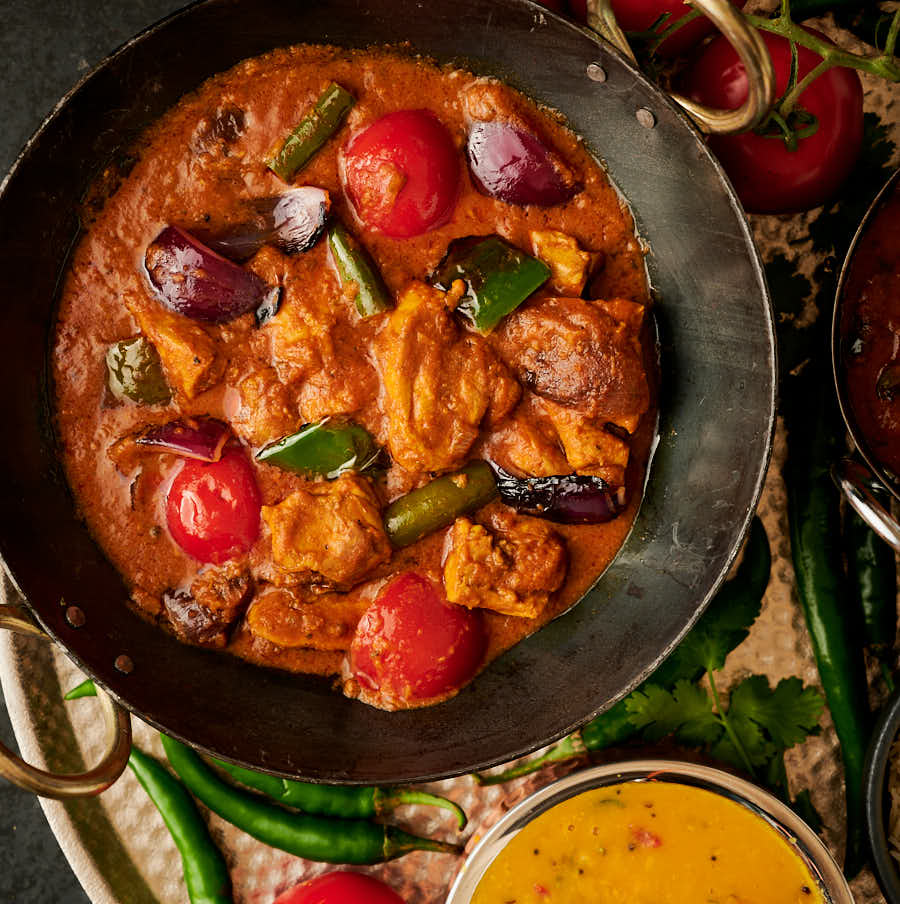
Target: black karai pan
717,401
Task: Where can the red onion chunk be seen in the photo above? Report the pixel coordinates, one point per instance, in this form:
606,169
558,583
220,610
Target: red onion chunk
195,281
292,221
512,165
565,498
200,438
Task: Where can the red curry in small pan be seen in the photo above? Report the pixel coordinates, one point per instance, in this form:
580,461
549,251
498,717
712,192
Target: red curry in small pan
870,332
353,370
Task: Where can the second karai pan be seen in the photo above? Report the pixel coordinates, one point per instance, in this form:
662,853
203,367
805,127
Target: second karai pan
717,401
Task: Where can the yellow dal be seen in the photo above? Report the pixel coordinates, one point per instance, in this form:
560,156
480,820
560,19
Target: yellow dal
647,843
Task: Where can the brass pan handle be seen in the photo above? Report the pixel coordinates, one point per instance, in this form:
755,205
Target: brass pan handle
85,784
744,39
855,481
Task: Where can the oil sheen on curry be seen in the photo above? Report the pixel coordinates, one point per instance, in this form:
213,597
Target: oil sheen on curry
352,370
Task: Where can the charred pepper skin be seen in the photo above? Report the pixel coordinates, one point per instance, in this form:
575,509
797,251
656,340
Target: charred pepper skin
351,841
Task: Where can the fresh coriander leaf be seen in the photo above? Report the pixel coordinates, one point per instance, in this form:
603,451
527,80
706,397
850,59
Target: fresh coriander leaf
751,738
789,713
728,618
685,711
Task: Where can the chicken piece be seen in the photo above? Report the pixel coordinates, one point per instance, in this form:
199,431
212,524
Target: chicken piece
206,614
344,385
301,331
189,354
439,383
511,569
311,343
268,408
590,447
331,529
523,446
322,622
572,351
570,266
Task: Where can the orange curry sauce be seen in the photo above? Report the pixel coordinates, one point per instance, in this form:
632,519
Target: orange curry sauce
193,172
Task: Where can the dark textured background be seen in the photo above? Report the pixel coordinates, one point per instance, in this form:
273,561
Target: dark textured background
45,48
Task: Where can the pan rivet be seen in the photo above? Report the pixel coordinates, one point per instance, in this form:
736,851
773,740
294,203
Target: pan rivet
646,118
75,617
596,73
124,664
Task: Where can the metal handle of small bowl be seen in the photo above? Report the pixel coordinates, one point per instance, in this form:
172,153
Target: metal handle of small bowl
856,482
746,42
84,784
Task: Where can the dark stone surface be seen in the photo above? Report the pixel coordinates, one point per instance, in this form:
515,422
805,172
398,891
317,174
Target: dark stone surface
45,48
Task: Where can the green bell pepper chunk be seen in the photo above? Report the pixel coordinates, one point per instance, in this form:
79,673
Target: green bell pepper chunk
323,448
135,372
498,278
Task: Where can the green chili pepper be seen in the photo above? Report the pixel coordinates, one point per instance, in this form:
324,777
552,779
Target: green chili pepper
873,576
205,872
134,372
311,837
326,447
316,127
439,503
356,266
85,689
498,278
338,800
815,528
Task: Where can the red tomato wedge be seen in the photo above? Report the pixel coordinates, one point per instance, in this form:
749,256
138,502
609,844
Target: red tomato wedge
213,508
402,173
340,887
411,644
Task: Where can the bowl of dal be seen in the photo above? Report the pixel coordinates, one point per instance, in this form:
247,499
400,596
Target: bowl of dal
650,830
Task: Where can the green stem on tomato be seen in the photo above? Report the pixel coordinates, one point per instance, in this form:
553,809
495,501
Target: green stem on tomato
669,30
891,40
790,99
726,722
883,65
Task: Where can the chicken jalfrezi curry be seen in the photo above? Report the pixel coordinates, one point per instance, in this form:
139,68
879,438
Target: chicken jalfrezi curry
353,369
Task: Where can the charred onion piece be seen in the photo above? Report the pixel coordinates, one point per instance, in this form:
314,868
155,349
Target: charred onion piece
195,281
200,438
565,498
292,221
497,275
513,165
316,127
888,384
